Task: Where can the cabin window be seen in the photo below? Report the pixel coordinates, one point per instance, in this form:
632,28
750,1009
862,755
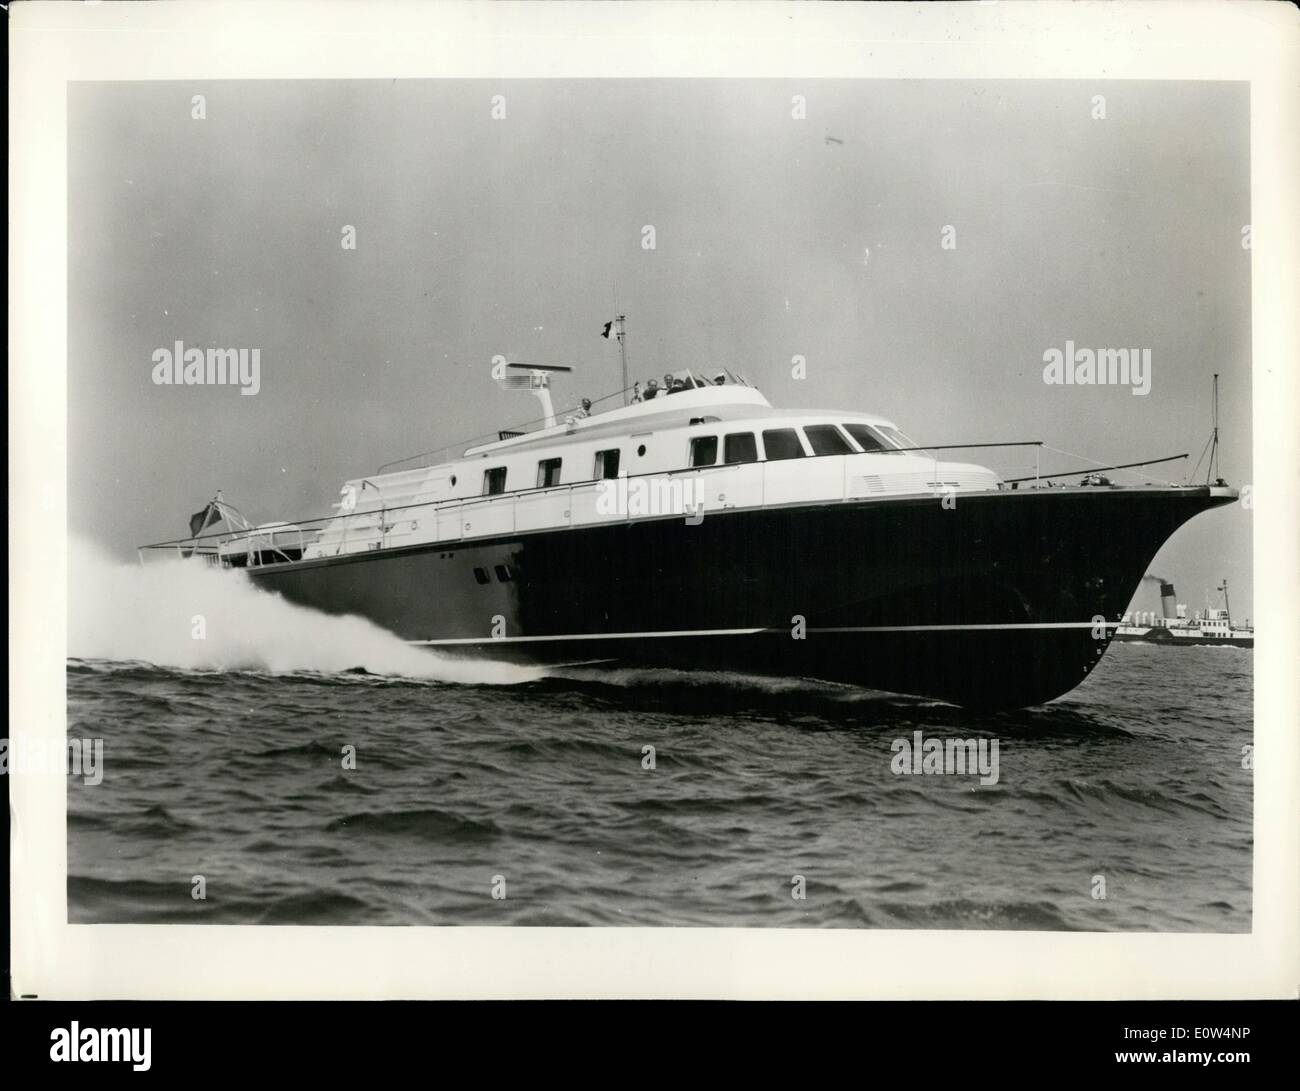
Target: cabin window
481,574
704,451
548,472
782,443
607,464
868,438
826,439
503,573
494,481
739,447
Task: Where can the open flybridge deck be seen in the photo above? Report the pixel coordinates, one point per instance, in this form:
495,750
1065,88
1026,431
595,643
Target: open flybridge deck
725,447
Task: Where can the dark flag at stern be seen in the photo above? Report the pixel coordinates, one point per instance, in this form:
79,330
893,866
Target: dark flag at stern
201,520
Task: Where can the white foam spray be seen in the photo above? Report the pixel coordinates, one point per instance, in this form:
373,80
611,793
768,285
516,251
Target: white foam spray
154,613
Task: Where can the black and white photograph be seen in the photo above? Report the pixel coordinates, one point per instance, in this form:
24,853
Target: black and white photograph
757,501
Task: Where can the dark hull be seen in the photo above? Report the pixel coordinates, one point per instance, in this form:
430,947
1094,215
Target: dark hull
990,603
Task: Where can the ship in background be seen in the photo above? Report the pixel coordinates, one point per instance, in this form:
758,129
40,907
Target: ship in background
1173,627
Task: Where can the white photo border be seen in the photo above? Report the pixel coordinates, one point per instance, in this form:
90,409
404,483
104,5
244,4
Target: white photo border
53,44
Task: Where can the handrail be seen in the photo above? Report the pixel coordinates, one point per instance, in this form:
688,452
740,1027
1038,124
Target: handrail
320,524
957,446
258,539
469,500
383,517
475,440
1098,469
525,426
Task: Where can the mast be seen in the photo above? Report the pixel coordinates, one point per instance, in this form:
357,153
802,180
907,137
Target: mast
1212,476
1213,469
1227,609
620,331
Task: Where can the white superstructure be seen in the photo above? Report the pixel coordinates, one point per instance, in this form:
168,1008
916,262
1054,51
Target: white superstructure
716,447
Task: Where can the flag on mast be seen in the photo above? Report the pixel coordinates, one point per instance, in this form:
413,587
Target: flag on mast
608,326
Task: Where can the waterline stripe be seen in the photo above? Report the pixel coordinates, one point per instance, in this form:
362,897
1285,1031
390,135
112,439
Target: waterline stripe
593,636
750,632
955,628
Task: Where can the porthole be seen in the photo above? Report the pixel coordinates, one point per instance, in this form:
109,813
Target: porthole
453,481
641,451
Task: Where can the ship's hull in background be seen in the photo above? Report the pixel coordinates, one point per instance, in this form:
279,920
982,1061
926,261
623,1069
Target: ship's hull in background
1182,637
1001,599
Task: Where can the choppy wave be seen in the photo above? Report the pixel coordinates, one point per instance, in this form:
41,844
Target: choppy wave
307,792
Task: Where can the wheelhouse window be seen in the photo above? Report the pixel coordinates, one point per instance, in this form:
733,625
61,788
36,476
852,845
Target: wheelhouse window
607,464
739,447
704,451
826,439
494,481
782,443
548,472
894,436
871,441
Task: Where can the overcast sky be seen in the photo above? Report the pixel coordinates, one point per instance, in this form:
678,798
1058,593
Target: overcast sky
774,236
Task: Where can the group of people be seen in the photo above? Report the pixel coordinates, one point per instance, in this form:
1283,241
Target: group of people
674,384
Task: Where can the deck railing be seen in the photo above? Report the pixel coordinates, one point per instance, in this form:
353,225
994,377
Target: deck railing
707,488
